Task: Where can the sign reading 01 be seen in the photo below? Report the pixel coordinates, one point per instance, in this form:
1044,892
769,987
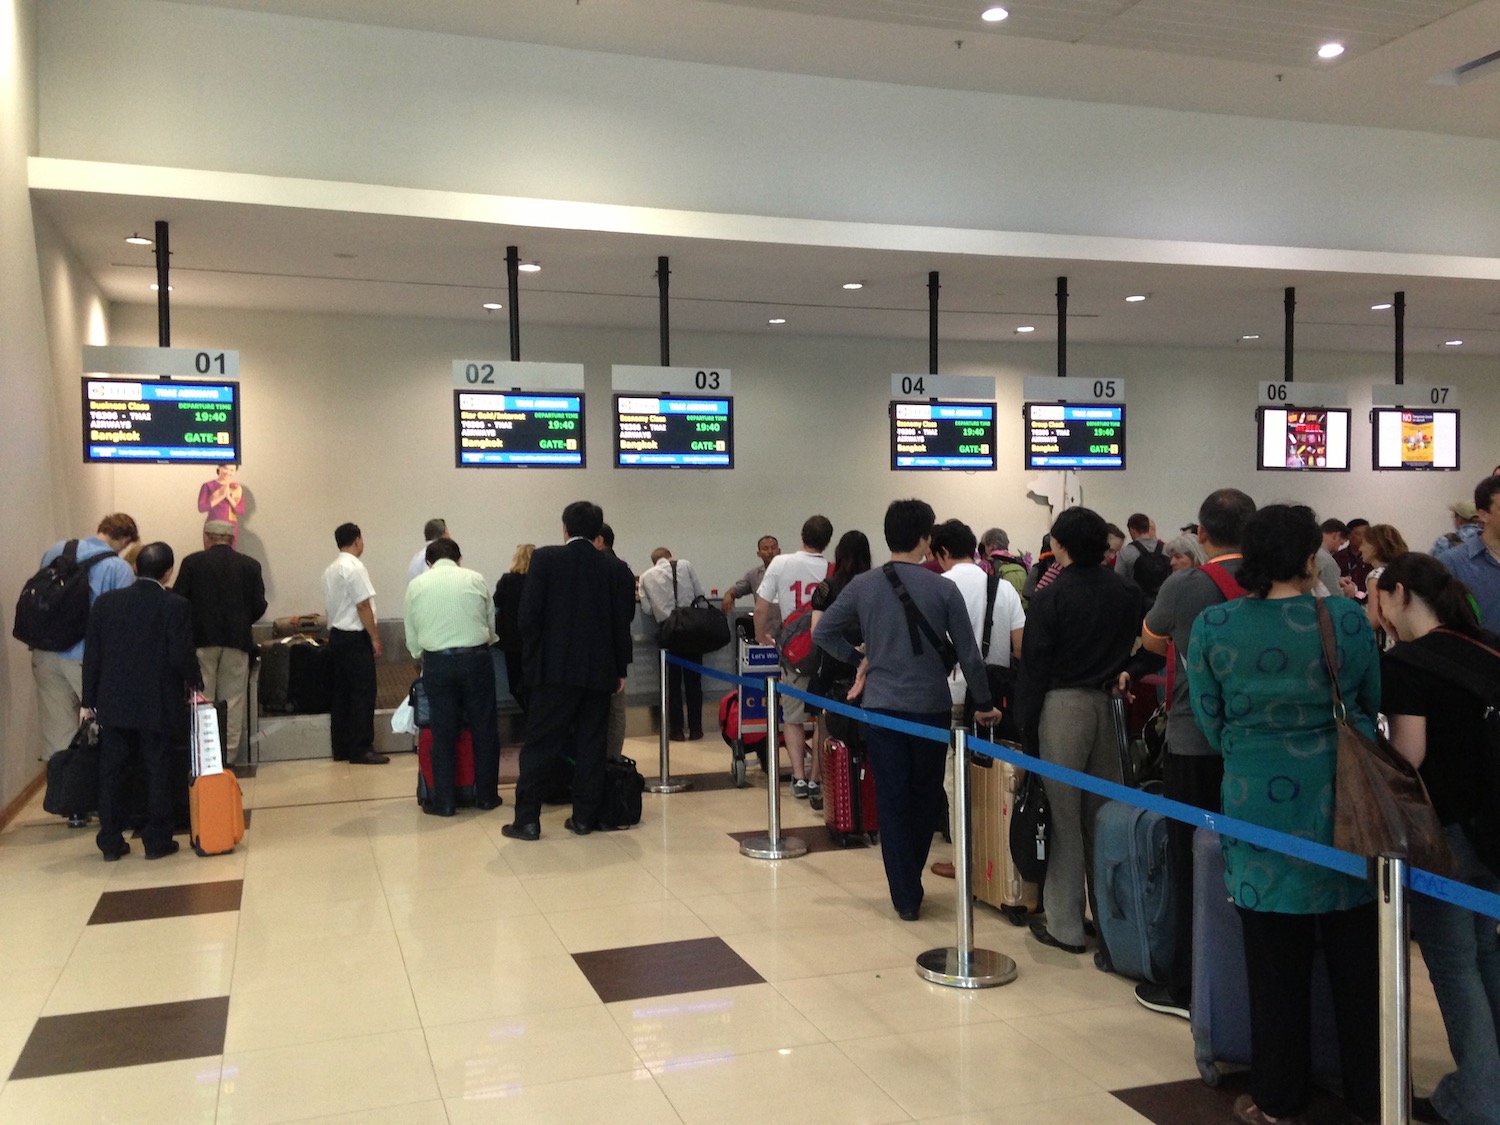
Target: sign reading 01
942,435
674,433
160,420
492,430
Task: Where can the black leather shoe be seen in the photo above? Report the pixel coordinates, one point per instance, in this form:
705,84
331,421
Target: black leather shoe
575,828
1039,931
695,734
485,804
171,847
368,758
113,856
438,810
676,735
78,820
909,915
532,832
1422,1110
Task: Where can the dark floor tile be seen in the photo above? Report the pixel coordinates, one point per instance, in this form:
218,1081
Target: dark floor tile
666,969
167,902
1193,1103
245,770
153,1033
815,836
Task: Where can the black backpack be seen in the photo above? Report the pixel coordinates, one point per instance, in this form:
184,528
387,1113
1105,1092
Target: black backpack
1151,569
52,613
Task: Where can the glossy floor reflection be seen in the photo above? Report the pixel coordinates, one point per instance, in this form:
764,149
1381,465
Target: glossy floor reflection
356,961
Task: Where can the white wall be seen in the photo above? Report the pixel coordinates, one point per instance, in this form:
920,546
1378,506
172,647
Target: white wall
350,418
288,97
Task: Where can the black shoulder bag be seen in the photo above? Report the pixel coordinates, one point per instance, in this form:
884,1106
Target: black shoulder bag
918,625
692,630
1002,680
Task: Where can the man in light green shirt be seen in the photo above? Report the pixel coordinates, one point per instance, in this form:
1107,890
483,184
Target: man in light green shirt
450,625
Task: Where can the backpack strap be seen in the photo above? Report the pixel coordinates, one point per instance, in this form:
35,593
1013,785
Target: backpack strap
1227,583
916,622
1467,677
991,588
674,583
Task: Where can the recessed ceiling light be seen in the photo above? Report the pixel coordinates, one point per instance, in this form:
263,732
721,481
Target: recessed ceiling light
994,14
1136,298
854,285
1330,50
493,305
1380,307
1453,343
529,267
1251,336
138,240
156,289
777,320
1026,328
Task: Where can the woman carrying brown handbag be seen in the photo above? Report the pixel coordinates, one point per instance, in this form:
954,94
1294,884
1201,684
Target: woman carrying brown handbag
1438,724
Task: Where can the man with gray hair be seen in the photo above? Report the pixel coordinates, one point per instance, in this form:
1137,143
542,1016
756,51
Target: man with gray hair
227,595
433,529
994,545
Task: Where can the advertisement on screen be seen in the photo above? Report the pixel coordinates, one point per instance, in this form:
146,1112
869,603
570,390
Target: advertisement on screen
1415,439
1296,440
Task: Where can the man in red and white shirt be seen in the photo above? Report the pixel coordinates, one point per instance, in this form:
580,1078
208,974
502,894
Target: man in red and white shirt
788,585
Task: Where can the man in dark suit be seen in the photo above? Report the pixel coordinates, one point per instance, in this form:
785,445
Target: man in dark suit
576,649
228,596
138,663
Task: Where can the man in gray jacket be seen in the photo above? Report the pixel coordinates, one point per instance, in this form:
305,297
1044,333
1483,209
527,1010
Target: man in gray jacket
915,627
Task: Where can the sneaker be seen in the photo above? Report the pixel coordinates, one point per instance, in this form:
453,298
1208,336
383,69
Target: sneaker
814,789
1158,998
816,801
799,789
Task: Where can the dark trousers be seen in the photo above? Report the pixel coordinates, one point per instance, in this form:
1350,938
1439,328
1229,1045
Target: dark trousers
1278,961
684,699
461,690
563,722
909,801
119,749
515,677
1193,780
351,702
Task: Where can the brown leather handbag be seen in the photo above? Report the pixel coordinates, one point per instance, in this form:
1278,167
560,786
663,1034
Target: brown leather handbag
1380,802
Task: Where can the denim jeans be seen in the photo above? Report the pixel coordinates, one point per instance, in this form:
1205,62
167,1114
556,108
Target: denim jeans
1462,953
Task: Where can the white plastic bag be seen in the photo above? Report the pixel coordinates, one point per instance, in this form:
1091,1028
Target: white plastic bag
404,718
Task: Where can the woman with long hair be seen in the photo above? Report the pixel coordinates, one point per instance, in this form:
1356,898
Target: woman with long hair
1262,695
1381,544
1437,682
507,620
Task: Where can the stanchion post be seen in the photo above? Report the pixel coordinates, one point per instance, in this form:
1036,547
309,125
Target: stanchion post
1395,991
664,782
961,965
773,845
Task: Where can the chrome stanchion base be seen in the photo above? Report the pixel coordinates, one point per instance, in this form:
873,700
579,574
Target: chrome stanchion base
981,968
763,847
667,785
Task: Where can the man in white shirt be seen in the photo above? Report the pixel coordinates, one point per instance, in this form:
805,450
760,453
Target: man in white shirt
953,547
668,584
788,586
353,647
431,530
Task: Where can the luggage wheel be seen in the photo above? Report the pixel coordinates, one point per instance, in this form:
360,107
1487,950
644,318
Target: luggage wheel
737,772
839,838
1210,1073
872,838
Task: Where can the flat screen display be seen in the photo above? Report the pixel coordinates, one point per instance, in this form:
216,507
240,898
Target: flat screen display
1068,436
943,435
161,421
1415,439
674,432
1316,440
519,430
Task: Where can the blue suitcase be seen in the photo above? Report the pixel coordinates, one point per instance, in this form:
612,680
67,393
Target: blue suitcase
1132,883
1221,1006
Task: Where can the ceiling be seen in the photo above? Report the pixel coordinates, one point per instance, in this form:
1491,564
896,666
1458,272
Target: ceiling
1216,55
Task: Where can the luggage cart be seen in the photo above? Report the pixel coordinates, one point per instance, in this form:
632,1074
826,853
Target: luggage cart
762,662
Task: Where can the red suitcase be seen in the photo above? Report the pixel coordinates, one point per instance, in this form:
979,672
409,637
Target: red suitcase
848,794
463,773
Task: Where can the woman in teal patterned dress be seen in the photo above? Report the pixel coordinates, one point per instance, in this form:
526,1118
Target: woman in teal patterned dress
1261,694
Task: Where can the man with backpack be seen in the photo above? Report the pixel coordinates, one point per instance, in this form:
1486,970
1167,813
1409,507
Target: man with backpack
995,545
1192,771
52,619
1144,559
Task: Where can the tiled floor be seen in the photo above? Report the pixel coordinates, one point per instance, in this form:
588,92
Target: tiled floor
356,961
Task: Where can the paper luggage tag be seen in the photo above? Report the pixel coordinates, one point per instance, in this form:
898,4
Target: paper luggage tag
208,753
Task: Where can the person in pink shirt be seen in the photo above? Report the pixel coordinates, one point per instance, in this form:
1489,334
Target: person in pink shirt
223,498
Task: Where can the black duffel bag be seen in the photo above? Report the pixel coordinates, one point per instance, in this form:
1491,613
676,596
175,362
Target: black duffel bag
73,775
620,801
1030,829
695,628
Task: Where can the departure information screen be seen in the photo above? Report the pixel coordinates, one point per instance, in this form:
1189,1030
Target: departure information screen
942,435
160,420
492,430
1062,436
674,433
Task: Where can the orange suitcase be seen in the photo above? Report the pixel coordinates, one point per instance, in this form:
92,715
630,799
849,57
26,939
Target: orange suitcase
218,813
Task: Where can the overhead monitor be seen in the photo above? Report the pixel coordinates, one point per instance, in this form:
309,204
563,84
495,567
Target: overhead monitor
1063,435
1295,439
674,432
1415,439
492,430
161,421
942,435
